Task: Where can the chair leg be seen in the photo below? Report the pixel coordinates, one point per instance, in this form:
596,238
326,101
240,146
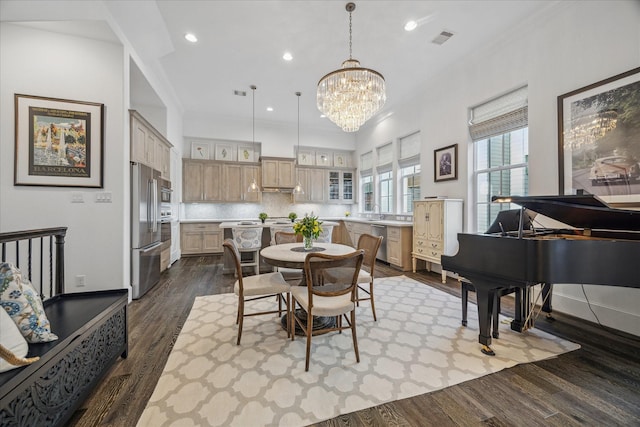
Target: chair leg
353,333
309,334
291,318
373,305
240,318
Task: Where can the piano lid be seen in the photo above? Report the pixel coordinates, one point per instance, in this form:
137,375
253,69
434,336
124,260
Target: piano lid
580,211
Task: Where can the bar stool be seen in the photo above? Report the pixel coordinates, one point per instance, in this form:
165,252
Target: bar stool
325,236
249,241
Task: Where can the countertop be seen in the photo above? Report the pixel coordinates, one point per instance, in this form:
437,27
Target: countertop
269,223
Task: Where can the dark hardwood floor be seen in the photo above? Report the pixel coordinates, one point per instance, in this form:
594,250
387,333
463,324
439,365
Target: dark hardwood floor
598,385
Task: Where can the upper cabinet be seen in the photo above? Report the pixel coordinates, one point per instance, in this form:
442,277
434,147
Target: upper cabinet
341,187
314,184
278,172
148,146
211,181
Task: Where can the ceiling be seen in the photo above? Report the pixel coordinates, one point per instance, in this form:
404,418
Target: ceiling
241,43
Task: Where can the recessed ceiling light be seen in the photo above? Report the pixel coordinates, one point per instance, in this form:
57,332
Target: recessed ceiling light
287,56
410,25
269,108
191,37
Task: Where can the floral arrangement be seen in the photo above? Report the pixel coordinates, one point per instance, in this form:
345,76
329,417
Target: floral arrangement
309,226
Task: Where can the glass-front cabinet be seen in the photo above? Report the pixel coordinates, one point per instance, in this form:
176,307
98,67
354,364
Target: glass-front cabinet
341,187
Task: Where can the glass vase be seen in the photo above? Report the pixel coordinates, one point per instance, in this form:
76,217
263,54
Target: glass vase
308,243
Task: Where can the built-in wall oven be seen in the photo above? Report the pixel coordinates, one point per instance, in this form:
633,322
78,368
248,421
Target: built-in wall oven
165,191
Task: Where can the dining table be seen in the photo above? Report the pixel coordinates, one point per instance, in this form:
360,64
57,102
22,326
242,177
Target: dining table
293,255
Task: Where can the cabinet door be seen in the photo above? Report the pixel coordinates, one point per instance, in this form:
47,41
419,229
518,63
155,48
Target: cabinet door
249,173
420,220
317,185
212,182
435,220
270,173
286,174
211,242
233,185
150,149
192,185
303,178
347,187
138,141
334,186
191,242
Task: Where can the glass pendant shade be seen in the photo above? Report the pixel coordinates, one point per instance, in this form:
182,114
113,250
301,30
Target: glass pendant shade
253,187
352,94
298,189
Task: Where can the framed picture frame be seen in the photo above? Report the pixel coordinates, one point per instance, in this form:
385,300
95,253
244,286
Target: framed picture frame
599,139
445,163
323,159
58,142
224,152
340,160
200,150
306,158
245,153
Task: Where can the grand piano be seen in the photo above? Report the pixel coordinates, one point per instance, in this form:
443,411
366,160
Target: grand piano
600,246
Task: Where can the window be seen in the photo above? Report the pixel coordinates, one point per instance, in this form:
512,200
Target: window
385,182
410,187
501,149
366,186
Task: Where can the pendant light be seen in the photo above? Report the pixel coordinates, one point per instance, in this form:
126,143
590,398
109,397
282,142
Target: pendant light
298,188
253,187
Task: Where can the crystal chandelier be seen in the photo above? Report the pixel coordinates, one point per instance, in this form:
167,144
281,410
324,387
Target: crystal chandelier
351,95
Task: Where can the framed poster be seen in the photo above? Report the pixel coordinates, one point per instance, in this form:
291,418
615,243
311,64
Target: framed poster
599,139
323,159
245,153
445,163
224,152
340,160
200,150
59,142
306,158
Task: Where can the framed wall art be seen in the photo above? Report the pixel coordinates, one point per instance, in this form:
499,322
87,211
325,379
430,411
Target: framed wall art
245,153
599,139
306,158
58,142
224,152
445,163
200,150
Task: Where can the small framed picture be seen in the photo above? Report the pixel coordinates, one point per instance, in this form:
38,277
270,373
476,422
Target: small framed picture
340,160
306,158
245,153
445,163
224,152
323,159
200,150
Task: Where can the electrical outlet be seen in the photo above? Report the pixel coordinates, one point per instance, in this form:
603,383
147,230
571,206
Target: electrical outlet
81,280
77,198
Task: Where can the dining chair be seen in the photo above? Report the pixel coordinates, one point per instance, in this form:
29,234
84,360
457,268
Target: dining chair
326,234
370,244
289,274
251,288
330,292
249,241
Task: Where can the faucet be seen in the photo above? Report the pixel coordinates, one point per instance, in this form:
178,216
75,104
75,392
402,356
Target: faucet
380,215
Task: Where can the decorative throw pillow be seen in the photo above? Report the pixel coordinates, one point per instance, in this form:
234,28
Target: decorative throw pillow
22,302
13,347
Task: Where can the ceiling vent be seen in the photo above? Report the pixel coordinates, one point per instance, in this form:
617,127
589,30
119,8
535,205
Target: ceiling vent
239,93
442,37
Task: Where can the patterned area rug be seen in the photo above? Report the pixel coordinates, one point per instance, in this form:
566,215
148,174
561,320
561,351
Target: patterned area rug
417,346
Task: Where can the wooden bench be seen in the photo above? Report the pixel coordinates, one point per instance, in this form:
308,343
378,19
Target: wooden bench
91,329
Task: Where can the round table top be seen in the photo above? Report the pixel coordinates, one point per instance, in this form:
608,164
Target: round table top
288,255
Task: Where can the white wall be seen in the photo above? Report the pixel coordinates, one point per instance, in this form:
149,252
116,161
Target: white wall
53,65
568,47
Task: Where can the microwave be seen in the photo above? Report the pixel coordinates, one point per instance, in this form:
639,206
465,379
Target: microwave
165,191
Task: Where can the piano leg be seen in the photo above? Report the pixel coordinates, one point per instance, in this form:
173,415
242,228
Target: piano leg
496,314
547,292
485,313
465,298
517,323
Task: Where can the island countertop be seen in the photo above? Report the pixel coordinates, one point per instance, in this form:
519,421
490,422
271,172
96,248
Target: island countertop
266,224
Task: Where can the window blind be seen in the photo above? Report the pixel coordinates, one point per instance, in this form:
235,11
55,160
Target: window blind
500,115
366,162
385,157
410,150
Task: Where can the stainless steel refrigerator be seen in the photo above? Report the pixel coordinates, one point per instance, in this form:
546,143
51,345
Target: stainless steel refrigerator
145,228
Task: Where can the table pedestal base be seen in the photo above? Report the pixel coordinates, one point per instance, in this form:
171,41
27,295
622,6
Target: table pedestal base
318,322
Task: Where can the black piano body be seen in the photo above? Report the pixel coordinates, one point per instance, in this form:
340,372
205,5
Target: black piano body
602,249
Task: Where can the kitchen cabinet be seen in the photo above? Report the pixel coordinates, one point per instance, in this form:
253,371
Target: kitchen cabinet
355,230
340,186
200,238
165,256
236,180
398,243
148,146
201,181
436,224
313,183
278,172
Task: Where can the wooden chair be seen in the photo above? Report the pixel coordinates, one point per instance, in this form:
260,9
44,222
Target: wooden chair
256,287
289,274
370,244
330,292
